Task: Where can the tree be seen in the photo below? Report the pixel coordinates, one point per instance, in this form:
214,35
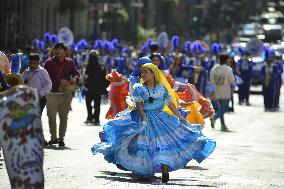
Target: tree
71,6
114,18
174,2
144,34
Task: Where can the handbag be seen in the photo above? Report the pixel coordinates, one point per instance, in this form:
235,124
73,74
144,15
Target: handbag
67,86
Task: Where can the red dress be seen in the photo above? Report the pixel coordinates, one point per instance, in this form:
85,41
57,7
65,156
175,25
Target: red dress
118,90
191,94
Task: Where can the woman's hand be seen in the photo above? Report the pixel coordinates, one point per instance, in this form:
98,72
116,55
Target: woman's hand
72,81
144,118
175,111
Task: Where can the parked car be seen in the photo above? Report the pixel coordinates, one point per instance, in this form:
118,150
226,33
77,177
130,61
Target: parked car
272,27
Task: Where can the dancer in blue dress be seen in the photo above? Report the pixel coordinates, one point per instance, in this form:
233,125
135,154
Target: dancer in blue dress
148,140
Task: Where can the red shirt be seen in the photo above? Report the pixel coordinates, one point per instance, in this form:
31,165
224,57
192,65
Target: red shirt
60,70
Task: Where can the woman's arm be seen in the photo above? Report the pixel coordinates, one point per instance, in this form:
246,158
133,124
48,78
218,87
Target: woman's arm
139,106
175,111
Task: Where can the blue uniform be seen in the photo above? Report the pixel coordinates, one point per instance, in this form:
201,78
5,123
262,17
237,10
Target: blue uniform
270,86
120,64
187,67
177,72
202,79
108,61
245,68
279,72
24,62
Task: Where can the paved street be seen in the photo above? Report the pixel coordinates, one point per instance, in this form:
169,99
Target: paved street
250,156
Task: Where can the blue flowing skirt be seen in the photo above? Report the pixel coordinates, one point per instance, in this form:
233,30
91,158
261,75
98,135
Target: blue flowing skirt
142,148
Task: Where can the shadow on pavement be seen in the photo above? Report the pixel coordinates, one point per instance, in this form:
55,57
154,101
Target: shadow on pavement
91,125
227,131
52,147
1,164
195,168
132,178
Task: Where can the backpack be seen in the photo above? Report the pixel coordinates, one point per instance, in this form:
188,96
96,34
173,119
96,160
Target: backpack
219,76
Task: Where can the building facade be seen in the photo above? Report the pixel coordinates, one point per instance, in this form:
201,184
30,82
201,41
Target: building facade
21,21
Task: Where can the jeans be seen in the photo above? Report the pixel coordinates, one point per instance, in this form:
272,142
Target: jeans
222,105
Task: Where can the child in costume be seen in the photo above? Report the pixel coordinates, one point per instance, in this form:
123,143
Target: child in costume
117,93
148,140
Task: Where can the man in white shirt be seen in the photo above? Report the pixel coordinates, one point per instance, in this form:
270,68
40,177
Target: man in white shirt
222,77
37,77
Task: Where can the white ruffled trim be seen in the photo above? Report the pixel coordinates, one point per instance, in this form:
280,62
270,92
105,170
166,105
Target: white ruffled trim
130,102
176,85
137,85
137,99
124,115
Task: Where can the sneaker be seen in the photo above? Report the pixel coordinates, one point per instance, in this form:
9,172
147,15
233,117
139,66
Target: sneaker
88,121
97,123
45,143
212,120
52,141
230,109
61,142
224,128
248,104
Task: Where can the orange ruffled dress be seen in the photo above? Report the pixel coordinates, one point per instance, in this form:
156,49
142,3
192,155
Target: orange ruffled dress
118,90
190,94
